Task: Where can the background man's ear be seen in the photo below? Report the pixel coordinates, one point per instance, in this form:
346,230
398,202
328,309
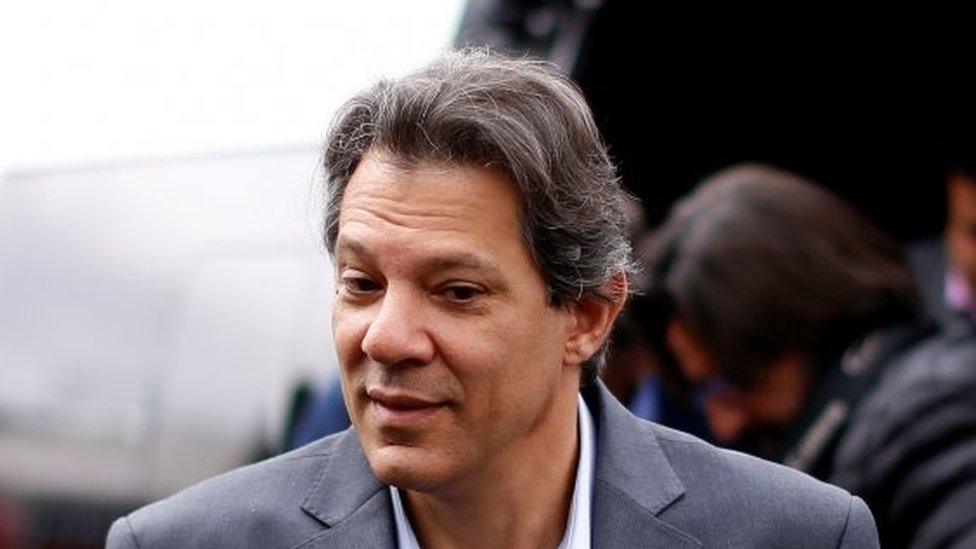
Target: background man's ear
593,319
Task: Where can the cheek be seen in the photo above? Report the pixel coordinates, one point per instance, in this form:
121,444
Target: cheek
347,335
967,247
348,329
960,242
506,338
499,359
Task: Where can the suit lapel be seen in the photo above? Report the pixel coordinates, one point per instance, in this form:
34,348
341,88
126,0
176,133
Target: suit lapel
634,481
350,501
633,484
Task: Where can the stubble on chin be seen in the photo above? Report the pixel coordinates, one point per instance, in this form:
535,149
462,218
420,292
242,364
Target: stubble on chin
407,467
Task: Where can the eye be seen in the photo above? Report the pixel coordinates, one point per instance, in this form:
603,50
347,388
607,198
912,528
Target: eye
357,283
462,293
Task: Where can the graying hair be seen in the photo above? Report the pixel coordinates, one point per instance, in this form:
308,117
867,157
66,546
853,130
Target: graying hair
480,108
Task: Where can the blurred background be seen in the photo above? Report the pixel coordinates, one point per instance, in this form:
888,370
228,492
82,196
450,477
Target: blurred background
164,300
162,290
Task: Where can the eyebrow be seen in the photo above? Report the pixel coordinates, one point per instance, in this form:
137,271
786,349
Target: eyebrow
450,260
353,247
461,260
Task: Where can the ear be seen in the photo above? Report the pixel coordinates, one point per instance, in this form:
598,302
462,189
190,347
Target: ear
592,319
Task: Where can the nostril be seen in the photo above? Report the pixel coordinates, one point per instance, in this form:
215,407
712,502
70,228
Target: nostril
398,339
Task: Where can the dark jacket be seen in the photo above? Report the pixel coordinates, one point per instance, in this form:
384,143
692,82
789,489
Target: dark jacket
910,447
894,421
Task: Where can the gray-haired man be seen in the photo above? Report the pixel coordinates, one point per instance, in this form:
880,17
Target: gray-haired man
475,227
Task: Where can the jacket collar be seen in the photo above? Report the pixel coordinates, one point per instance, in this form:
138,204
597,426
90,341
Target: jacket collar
344,484
634,480
349,500
633,484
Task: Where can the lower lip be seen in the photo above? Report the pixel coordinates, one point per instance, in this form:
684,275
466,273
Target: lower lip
403,416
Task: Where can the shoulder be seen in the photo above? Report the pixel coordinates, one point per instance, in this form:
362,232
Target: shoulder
714,496
726,489
941,360
256,505
921,391
910,448
741,477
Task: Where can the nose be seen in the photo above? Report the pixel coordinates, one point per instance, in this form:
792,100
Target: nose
398,334
727,420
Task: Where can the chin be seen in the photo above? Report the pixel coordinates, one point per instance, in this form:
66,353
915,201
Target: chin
408,467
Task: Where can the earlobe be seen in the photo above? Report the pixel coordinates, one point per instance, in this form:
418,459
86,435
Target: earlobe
593,318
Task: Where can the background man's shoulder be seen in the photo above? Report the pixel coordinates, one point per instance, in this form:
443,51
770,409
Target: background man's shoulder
257,505
739,500
910,448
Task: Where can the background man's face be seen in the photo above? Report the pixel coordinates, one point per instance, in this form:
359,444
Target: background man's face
754,417
961,226
451,357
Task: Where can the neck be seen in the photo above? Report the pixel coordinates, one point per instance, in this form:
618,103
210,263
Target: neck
520,500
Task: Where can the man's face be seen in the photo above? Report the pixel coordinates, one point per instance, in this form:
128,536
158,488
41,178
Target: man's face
451,358
754,418
961,227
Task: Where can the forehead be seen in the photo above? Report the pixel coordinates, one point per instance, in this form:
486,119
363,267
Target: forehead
390,208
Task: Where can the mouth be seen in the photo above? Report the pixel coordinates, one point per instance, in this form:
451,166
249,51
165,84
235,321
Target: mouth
401,408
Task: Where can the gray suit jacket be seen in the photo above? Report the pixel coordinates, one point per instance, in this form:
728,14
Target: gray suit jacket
653,487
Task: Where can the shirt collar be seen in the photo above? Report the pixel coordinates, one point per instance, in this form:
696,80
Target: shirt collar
406,539
578,529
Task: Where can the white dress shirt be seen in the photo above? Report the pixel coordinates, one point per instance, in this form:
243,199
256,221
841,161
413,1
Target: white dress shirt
577,533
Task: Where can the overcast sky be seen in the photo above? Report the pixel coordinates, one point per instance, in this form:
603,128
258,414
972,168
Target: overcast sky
94,81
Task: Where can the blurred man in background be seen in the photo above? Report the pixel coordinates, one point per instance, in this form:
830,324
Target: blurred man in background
946,268
791,320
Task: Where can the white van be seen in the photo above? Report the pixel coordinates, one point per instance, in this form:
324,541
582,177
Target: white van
154,319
